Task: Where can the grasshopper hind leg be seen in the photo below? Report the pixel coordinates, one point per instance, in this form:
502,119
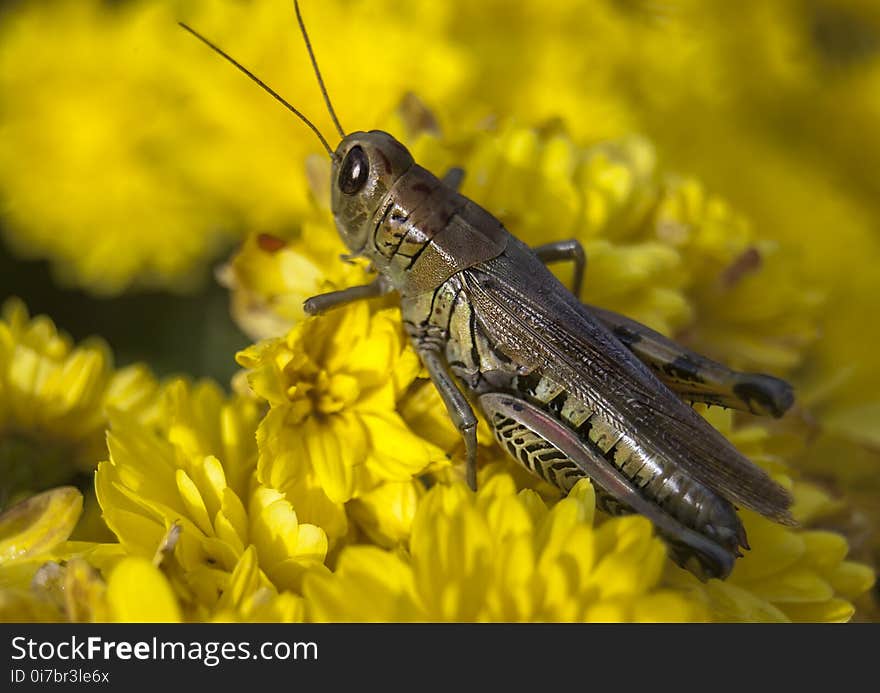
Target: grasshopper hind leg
694,377
552,451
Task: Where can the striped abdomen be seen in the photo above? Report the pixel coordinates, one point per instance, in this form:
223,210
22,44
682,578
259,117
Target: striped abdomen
677,493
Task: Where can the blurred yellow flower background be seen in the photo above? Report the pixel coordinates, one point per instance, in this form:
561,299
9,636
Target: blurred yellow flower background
716,160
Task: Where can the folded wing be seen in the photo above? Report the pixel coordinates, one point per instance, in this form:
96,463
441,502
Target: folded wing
539,324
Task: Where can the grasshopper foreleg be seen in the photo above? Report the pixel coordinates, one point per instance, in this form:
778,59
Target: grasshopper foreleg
570,250
334,299
459,408
697,378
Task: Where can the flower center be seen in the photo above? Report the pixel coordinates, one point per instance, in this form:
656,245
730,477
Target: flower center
321,393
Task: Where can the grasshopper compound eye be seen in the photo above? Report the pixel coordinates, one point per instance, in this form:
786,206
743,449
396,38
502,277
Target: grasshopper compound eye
354,171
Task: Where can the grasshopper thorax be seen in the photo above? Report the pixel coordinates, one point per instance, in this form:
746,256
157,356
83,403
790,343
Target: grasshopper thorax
365,167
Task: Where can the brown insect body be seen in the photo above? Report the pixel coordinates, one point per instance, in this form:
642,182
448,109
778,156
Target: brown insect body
504,324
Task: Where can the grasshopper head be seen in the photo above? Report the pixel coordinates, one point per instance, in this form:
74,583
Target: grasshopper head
365,167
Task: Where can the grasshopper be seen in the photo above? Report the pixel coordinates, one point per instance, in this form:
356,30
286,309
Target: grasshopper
569,390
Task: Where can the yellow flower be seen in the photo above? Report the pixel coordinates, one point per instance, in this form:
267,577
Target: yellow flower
44,577
54,399
503,555
136,591
333,432
237,537
271,277
800,576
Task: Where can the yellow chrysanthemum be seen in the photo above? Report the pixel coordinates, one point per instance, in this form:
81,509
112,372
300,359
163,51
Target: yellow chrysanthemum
503,555
54,399
333,432
236,537
135,592
788,576
45,577
271,277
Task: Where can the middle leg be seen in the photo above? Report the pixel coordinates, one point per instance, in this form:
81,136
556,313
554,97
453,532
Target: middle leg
459,408
570,250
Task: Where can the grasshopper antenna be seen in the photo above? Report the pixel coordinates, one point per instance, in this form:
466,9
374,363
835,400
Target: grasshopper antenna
302,28
265,86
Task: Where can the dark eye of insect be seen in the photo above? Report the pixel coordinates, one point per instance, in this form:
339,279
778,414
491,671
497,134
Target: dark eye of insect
355,169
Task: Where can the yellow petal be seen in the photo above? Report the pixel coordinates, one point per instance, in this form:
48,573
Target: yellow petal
396,454
369,585
831,611
729,603
137,592
39,524
668,607
193,501
852,579
774,549
210,478
243,582
334,449
386,513
795,585
824,550
234,513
